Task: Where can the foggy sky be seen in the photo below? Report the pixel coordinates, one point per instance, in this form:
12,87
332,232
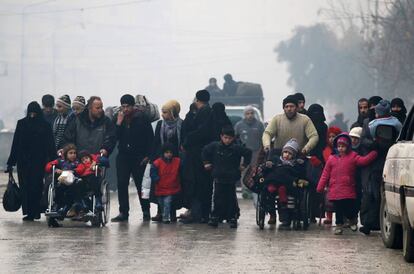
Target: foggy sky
164,49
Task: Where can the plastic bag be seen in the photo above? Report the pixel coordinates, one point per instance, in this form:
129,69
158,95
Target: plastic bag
12,200
146,183
66,178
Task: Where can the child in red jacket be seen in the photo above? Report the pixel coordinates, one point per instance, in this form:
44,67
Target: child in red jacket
165,172
87,170
339,174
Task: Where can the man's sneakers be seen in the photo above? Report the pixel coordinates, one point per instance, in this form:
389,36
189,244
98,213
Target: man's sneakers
365,230
120,218
213,222
233,223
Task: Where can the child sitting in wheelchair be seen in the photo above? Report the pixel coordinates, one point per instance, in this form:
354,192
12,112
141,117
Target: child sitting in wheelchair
65,167
281,174
87,170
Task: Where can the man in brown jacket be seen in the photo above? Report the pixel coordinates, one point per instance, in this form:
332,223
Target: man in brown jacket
288,125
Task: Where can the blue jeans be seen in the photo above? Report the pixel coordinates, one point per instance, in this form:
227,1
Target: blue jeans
164,202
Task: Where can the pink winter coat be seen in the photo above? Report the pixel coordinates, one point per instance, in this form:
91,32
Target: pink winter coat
339,174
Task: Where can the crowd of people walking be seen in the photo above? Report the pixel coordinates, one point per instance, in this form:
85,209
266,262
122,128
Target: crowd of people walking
195,163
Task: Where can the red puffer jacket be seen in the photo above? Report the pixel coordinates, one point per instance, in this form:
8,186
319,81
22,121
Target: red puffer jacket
169,177
339,174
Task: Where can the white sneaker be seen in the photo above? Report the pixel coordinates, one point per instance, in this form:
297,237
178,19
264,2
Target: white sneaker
354,227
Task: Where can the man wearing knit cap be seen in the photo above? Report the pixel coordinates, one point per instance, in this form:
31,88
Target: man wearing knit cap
135,141
383,117
78,104
197,183
63,107
291,124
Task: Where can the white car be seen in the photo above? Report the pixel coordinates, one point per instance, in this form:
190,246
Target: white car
397,204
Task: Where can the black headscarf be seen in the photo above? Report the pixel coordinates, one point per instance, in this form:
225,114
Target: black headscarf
316,114
33,124
402,114
218,119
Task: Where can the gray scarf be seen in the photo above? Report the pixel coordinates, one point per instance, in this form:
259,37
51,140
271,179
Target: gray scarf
171,128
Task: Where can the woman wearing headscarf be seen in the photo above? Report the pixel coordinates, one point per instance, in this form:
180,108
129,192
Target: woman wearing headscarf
316,114
168,130
33,146
398,109
218,120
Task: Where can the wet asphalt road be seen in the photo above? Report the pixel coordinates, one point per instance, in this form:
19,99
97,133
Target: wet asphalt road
138,247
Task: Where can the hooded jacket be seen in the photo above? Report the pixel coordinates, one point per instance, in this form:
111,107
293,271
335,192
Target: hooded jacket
339,172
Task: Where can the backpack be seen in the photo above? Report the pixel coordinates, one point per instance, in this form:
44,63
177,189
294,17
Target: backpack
12,198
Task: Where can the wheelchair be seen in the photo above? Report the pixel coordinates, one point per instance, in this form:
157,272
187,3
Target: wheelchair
97,217
298,206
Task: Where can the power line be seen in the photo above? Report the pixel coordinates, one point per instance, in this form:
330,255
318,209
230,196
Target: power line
128,3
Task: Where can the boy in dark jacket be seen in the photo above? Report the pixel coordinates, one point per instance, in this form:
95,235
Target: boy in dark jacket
223,159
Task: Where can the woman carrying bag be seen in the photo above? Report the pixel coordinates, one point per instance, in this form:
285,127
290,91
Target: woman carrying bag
33,146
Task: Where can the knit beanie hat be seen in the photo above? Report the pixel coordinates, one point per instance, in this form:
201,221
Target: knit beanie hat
290,99
292,146
343,140
80,100
356,132
173,107
203,96
128,99
64,100
383,108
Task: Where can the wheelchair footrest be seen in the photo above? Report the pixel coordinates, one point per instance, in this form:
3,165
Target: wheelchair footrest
52,214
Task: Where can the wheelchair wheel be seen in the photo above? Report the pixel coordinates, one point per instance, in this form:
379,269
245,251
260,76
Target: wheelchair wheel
260,212
106,203
305,209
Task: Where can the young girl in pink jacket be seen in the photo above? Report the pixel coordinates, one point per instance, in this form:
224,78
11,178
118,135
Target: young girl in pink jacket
339,174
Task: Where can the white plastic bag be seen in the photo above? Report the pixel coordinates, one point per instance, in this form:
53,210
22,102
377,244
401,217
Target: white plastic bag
66,178
146,183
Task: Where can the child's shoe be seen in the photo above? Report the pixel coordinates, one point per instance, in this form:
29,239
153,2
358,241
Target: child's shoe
338,230
157,218
71,213
166,221
272,220
63,210
327,222
233,223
